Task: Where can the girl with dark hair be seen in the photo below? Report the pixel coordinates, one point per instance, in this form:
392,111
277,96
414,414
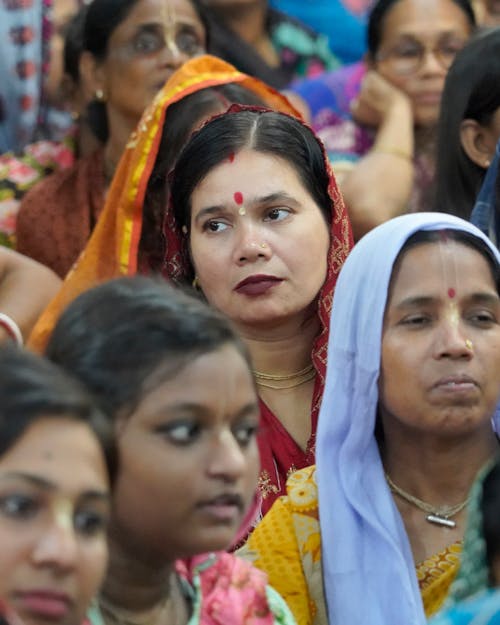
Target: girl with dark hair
378,124
176,382
372,533
131,47
57,462
469,125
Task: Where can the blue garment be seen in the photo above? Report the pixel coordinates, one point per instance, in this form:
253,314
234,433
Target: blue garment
345,29
369,572
485,214
482,609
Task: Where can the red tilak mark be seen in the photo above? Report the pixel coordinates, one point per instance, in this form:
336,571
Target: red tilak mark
451,293
238,198
231,157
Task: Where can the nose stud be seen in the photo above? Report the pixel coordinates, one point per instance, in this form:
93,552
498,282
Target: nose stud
469,345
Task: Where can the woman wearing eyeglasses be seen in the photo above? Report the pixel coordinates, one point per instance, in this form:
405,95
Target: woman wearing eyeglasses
381,143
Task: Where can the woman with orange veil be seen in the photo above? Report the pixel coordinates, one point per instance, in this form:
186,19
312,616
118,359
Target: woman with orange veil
125,242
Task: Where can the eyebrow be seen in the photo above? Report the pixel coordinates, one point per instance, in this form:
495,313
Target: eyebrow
200,410
46,485
277,196
475,298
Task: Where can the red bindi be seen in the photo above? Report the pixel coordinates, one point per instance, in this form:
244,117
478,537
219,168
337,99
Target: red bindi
451,293
238,198
231,157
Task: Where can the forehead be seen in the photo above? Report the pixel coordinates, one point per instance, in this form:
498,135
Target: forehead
61,451
423,17
432,268
250,171
217,382
157,11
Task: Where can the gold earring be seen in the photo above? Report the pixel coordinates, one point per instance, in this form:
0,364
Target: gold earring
196,283
99,95
487,162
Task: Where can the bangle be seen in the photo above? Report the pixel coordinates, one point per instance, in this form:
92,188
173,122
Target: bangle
394,152
12,329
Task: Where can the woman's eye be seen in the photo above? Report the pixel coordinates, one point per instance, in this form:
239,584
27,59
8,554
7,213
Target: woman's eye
90,522
214,226
408,52
277,214
181,433
18,506
244,434
416,320
148,42
482,317
189,43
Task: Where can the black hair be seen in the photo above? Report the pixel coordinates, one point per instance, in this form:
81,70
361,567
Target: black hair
472,91
32,388
180,120
458,236
490,509
73,44
380,10
264,131
117,337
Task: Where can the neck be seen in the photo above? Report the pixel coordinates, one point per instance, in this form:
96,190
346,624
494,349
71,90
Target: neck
120,129
133,585
284,349
247,20
437,470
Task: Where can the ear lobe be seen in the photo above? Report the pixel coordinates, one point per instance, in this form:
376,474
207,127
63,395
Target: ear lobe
91,76
476,142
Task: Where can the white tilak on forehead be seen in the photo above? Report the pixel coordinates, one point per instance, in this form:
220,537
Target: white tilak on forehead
63,513
169,19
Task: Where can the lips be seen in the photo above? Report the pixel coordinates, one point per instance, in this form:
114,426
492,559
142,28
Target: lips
456,383
429,97
225,508
257,284
48,604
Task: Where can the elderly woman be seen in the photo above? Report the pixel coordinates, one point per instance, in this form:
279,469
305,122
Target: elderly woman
378,119
264,237
412,385
131,47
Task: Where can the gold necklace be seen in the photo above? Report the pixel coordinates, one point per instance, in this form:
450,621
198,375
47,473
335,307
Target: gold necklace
437,515
294,379
155,616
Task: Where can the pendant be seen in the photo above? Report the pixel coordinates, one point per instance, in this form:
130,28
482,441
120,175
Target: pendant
439,520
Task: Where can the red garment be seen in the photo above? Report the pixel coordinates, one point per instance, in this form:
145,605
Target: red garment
57,216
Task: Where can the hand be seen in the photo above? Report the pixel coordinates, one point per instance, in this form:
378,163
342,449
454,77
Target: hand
376,100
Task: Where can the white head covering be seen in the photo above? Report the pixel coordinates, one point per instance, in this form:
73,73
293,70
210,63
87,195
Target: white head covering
369,573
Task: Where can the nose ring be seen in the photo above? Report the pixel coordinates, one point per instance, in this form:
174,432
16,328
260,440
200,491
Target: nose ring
469,345
263,245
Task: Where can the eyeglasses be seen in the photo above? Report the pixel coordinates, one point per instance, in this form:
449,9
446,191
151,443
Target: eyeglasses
408,57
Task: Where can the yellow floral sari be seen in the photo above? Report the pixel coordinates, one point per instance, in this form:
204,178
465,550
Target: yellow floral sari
287,546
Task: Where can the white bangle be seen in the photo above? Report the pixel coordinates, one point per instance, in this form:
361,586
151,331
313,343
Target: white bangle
12,329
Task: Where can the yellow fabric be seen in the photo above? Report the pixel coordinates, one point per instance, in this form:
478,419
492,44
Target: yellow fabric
287,546
112,250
